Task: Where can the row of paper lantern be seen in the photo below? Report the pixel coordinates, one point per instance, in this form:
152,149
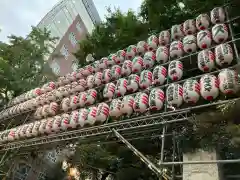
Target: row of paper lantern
208,87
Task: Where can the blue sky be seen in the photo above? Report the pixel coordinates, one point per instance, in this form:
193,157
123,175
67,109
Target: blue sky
17,16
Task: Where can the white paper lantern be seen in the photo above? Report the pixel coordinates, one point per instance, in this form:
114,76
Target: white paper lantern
175,70
65,104
42,126
217,15
95,66
121,54
121,87
142,47
140,102
149,59
145,79
38,113
191,91
91,117
126,68
22,133
115,108
103,63
81,85
127,105
112,58
67,90
162,54
65,121
204,39
73,76
82,117
177,32
223,54
73,119
159,75
18,130
156,99
52,95
189,43
220,33
152,43
102,112
174,95
90,81
74,101
137,64
189,27
45,111
133,83
164,38
98,79
87,70
228,81
109,90
48,86
106,76
209,87
79,73
53,108
59,92
35,130
91,96
56,127
82,97
49,126
36,92
176,49
11,134
206,60
115,72
202,22
131,51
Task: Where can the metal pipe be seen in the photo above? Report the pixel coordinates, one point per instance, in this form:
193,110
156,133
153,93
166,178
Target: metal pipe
173,155
227,161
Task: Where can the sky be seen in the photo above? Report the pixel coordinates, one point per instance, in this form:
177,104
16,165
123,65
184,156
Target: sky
17,16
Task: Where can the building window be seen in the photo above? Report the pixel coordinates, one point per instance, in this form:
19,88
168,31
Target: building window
22,171
55,68
64,51
78,27
72,39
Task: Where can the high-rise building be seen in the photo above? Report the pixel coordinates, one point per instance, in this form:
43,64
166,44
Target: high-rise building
70,21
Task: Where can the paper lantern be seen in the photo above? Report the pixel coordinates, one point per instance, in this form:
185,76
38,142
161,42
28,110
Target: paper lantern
87,70
73,76
176,49
140,102
79,74
49,125
53,108
42,126
98,79
36,92
109,90
217,15
73,119
131,51
81,85
65,121
90,81
102,112
204,39
220,33
121,87
65,104
115,72
174,95
38,113
126,68
164,38
48,86
45,110
11,134
29,130
223,54
206,60
162,54
152,43
52,95
149,59
121,54
137,64
95,66
177,32
175,70
92,115
127,105
59,92
67,90
35,130
209,87
133,83
142,47
228,81
159,75
82,97
82,116
56,127
202,22
74,101
112,58
189,27
91,96
115,108
191,91
156,99
106,76
103,63
189,43
145,79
